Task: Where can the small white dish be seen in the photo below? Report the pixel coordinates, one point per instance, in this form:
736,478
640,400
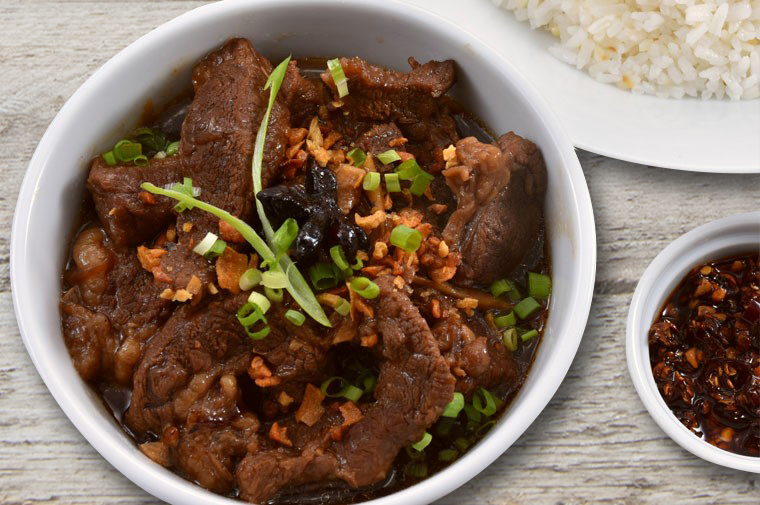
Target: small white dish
720,136
736,234
157,67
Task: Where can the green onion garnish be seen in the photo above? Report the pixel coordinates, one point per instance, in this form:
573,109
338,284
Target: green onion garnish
514,293
444,426
322,276
186,188
455,406
338,76
140,160
509,337
297,286
343,307
500,287
539,285
295,317
210,246
274,279
172,148
126,150
529,335
506,320
484,402
284,237
358,265
367,382
423,442
273,294
447,455
357,156
527,307
388,157
408,170
406,238
371,181
420,184
461,443
250,279
473,415
261,301
352,393
109,158
392,183
416,470
346,390
337,255
250,314
365,287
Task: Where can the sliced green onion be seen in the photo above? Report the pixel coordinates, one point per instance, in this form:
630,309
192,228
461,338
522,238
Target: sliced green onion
408,170
109,158
152,140
423,442
273,294
505,320
274,279
420,183
371,181
473,415
126,150
140,160
447,455
509,337
455,406
500,287
352,393
337,255
343,307
483,401
367,383
392,184
341,275
406,238
210,246
327,386
485,427
388,157
514,293
260,300
322,276
250,314
172,148
365,287
527,307
444,426
529,335
297,286
284,237
461,443
295,317
250,279
539,285
416,470
358,265
185,188
357,156
338,76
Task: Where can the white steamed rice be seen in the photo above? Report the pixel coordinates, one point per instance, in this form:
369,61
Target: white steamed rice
668,48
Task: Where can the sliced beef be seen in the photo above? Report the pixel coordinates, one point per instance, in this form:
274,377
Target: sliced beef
414,100
179,378
413,387
220,128
476,353
500,197
116,299
128,214
302,96
378,138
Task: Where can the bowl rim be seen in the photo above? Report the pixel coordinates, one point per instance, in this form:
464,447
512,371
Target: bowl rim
667,269
168,486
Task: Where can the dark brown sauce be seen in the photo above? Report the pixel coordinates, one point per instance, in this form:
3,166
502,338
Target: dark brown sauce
704,353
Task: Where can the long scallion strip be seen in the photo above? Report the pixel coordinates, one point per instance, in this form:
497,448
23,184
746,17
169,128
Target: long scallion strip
423,442
297,287
455,406
338,76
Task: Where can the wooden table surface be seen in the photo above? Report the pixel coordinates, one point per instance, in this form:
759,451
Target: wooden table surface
595,441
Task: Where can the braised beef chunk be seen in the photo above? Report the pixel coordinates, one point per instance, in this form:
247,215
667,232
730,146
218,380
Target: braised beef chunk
221,124
129,214
255,399
413,100
413,387
500,198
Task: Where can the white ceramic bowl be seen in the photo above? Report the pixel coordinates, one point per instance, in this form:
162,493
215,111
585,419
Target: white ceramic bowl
158,65
731,235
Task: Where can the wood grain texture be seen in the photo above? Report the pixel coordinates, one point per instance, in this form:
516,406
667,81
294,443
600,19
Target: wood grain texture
595,443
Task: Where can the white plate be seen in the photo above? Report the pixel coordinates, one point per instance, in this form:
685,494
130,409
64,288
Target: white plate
689,134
